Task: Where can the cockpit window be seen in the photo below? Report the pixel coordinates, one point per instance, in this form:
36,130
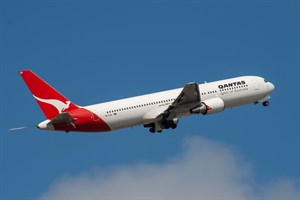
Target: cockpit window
266,81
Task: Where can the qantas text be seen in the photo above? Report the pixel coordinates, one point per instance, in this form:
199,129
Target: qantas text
233,84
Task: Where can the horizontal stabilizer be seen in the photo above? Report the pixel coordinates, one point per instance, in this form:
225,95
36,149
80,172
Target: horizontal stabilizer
60,119
63,118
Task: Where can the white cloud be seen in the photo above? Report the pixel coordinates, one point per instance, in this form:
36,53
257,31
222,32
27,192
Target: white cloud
204,170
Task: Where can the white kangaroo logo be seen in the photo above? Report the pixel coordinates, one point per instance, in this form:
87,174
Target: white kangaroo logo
60,106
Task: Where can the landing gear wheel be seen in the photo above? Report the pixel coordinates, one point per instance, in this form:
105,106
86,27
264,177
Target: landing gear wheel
152,130
174,126
265,103
159,131
166,124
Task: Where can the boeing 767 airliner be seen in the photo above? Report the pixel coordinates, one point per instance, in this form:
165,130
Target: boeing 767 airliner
156,111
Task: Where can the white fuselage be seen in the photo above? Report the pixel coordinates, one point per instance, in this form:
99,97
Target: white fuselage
130,112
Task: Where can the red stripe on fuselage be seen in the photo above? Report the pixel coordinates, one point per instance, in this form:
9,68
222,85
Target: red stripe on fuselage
86,121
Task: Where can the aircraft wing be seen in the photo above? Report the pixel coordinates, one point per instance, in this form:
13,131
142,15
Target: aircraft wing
188,99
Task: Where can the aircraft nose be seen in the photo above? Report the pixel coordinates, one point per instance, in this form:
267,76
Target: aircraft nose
271,87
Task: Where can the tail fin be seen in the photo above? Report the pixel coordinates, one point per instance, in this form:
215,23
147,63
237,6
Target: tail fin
50,101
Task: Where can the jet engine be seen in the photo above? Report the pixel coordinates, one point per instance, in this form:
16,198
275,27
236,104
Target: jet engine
209,106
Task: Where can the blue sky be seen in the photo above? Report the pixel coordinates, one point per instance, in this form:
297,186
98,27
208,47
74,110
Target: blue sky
96,51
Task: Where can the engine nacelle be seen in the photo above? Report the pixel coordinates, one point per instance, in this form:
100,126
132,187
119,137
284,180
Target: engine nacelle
210,106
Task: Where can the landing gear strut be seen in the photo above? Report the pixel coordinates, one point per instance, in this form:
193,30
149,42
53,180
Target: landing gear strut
265,103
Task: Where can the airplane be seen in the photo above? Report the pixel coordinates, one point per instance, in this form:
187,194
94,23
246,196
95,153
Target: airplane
156,111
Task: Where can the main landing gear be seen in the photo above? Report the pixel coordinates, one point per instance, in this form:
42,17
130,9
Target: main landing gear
152,130
169,124
165,124
266,103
